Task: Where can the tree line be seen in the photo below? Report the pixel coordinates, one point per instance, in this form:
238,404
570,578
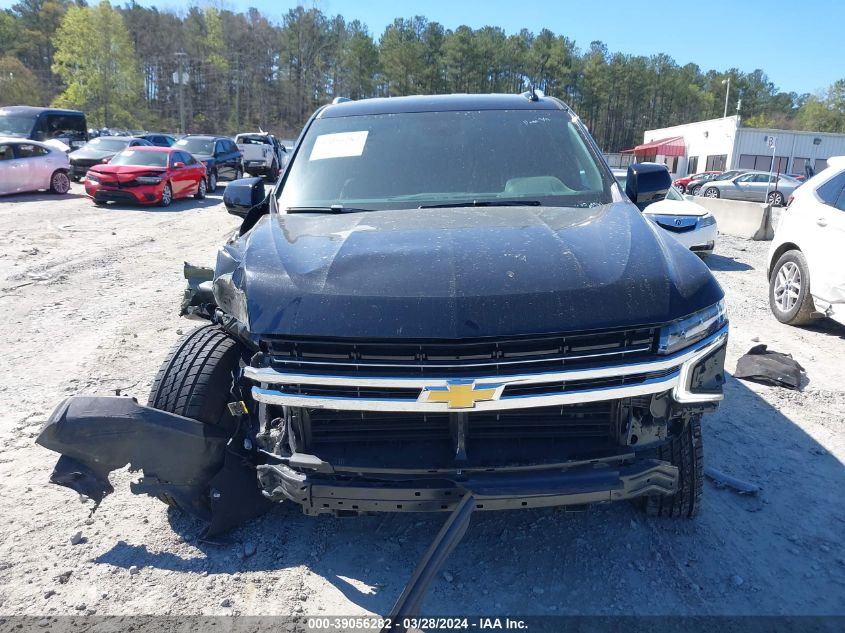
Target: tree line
122,65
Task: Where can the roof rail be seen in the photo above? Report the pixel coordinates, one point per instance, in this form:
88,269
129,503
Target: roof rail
337,100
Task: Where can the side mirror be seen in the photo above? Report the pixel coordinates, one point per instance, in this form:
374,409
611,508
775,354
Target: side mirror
647,183
178,164
242,195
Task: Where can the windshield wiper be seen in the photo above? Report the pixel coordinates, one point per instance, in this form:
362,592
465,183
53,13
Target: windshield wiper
335,208
483,203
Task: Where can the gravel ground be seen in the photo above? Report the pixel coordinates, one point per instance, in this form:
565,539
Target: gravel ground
90,296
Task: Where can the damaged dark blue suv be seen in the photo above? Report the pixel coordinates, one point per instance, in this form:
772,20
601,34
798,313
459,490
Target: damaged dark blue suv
442,295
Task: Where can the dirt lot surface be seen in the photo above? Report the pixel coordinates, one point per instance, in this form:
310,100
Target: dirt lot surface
89,298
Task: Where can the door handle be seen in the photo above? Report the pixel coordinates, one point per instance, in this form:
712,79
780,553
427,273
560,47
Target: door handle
821,221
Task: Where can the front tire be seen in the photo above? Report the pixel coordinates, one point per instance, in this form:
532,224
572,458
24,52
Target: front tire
711,192
166,195
59,182
696,190
789,290
687,453
201,189
195,380
681,188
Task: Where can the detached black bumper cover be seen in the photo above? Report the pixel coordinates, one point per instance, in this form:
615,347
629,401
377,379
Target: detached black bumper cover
194,464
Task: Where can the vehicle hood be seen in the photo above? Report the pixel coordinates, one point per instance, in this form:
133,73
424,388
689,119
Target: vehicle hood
458,273
675,207
92,154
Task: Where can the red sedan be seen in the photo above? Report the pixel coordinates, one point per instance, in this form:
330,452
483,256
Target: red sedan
681,183
147,175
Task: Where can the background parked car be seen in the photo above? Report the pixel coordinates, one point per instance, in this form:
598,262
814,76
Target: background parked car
689,223
97,150
46,125
681,183
32,166
220,155
147,175
806,259
263,154
694,186
754,186
158,139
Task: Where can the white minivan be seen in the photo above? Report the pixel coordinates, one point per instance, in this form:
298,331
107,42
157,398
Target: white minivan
806,265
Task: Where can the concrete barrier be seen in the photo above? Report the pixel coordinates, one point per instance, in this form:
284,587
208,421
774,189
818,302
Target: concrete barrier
751,220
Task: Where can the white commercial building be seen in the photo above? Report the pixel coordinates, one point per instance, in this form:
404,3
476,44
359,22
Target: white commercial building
721,144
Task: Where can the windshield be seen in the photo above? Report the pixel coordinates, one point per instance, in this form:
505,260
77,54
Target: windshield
196,145
107,144
16,124
674,194
135,157
411,160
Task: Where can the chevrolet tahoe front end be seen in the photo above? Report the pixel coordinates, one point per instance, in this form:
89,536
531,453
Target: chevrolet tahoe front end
382,337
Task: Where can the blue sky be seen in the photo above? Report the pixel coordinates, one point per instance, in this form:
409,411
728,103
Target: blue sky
798,43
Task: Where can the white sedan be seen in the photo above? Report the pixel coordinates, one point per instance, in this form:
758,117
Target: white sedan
32,166
689,223
806,266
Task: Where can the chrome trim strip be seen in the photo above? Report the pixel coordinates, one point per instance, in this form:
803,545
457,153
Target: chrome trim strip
438,365
277,397
269,376
681,392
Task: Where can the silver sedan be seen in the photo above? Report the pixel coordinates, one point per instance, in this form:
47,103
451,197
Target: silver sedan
32,166
753,186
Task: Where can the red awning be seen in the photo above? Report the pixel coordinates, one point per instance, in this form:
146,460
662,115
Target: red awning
673,146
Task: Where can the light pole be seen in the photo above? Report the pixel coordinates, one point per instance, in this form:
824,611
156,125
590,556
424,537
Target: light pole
727,93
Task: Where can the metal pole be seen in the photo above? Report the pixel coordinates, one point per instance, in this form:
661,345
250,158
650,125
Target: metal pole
181,71
727,93
771,169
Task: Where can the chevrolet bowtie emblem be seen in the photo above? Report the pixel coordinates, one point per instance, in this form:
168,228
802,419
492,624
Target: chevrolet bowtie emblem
461,394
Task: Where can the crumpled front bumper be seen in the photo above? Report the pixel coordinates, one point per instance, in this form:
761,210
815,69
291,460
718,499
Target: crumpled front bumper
503,489
199,467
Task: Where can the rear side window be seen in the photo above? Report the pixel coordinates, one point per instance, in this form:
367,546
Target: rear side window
6,152
25,150
830,192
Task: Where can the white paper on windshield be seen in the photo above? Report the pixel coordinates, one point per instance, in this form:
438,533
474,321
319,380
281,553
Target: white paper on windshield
339,145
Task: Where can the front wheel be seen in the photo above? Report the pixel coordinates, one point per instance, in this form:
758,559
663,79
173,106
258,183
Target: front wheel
775,199
681,188
201,189
789,290
59,182
166,195
695,190
687,453
195,379
711,192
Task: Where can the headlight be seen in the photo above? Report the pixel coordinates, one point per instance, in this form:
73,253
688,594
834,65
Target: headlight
148,180
684,332
706,220
92,177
